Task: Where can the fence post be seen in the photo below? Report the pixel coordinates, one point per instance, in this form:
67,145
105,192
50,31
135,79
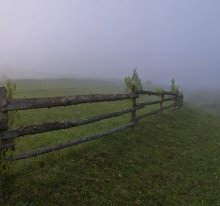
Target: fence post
134,104
3,115
3,103
4,122
176,99
161,103
3,126
181,100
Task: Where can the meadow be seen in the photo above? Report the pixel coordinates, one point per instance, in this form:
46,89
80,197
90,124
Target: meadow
206,99
168,159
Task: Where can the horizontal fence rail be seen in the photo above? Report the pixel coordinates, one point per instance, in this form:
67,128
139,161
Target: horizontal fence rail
156,93
53,148
48,102
8,136
155,102
154,112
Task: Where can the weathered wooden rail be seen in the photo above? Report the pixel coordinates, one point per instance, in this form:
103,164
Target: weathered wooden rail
8,136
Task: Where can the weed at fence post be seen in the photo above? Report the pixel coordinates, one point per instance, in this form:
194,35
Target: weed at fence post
134,104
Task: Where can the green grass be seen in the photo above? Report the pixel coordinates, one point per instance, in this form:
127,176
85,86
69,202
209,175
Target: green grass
169,159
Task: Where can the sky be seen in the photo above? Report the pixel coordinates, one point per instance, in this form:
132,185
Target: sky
107,38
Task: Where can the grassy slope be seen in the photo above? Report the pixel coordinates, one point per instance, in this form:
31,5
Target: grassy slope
168,159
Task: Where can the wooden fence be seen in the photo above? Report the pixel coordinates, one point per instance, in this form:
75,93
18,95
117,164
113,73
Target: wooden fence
8,135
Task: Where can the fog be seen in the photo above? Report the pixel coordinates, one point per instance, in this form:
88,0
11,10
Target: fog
106,39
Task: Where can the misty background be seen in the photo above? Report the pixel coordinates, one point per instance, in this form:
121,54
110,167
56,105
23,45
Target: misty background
106,39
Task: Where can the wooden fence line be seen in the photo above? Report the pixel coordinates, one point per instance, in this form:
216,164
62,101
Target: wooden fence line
41,128
46,127
7,136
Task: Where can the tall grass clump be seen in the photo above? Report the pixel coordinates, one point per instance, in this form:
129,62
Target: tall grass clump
133,80
173,87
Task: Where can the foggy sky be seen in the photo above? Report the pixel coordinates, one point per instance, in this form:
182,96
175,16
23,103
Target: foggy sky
107,38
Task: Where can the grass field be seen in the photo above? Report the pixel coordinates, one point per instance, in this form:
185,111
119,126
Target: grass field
207,100
169,159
